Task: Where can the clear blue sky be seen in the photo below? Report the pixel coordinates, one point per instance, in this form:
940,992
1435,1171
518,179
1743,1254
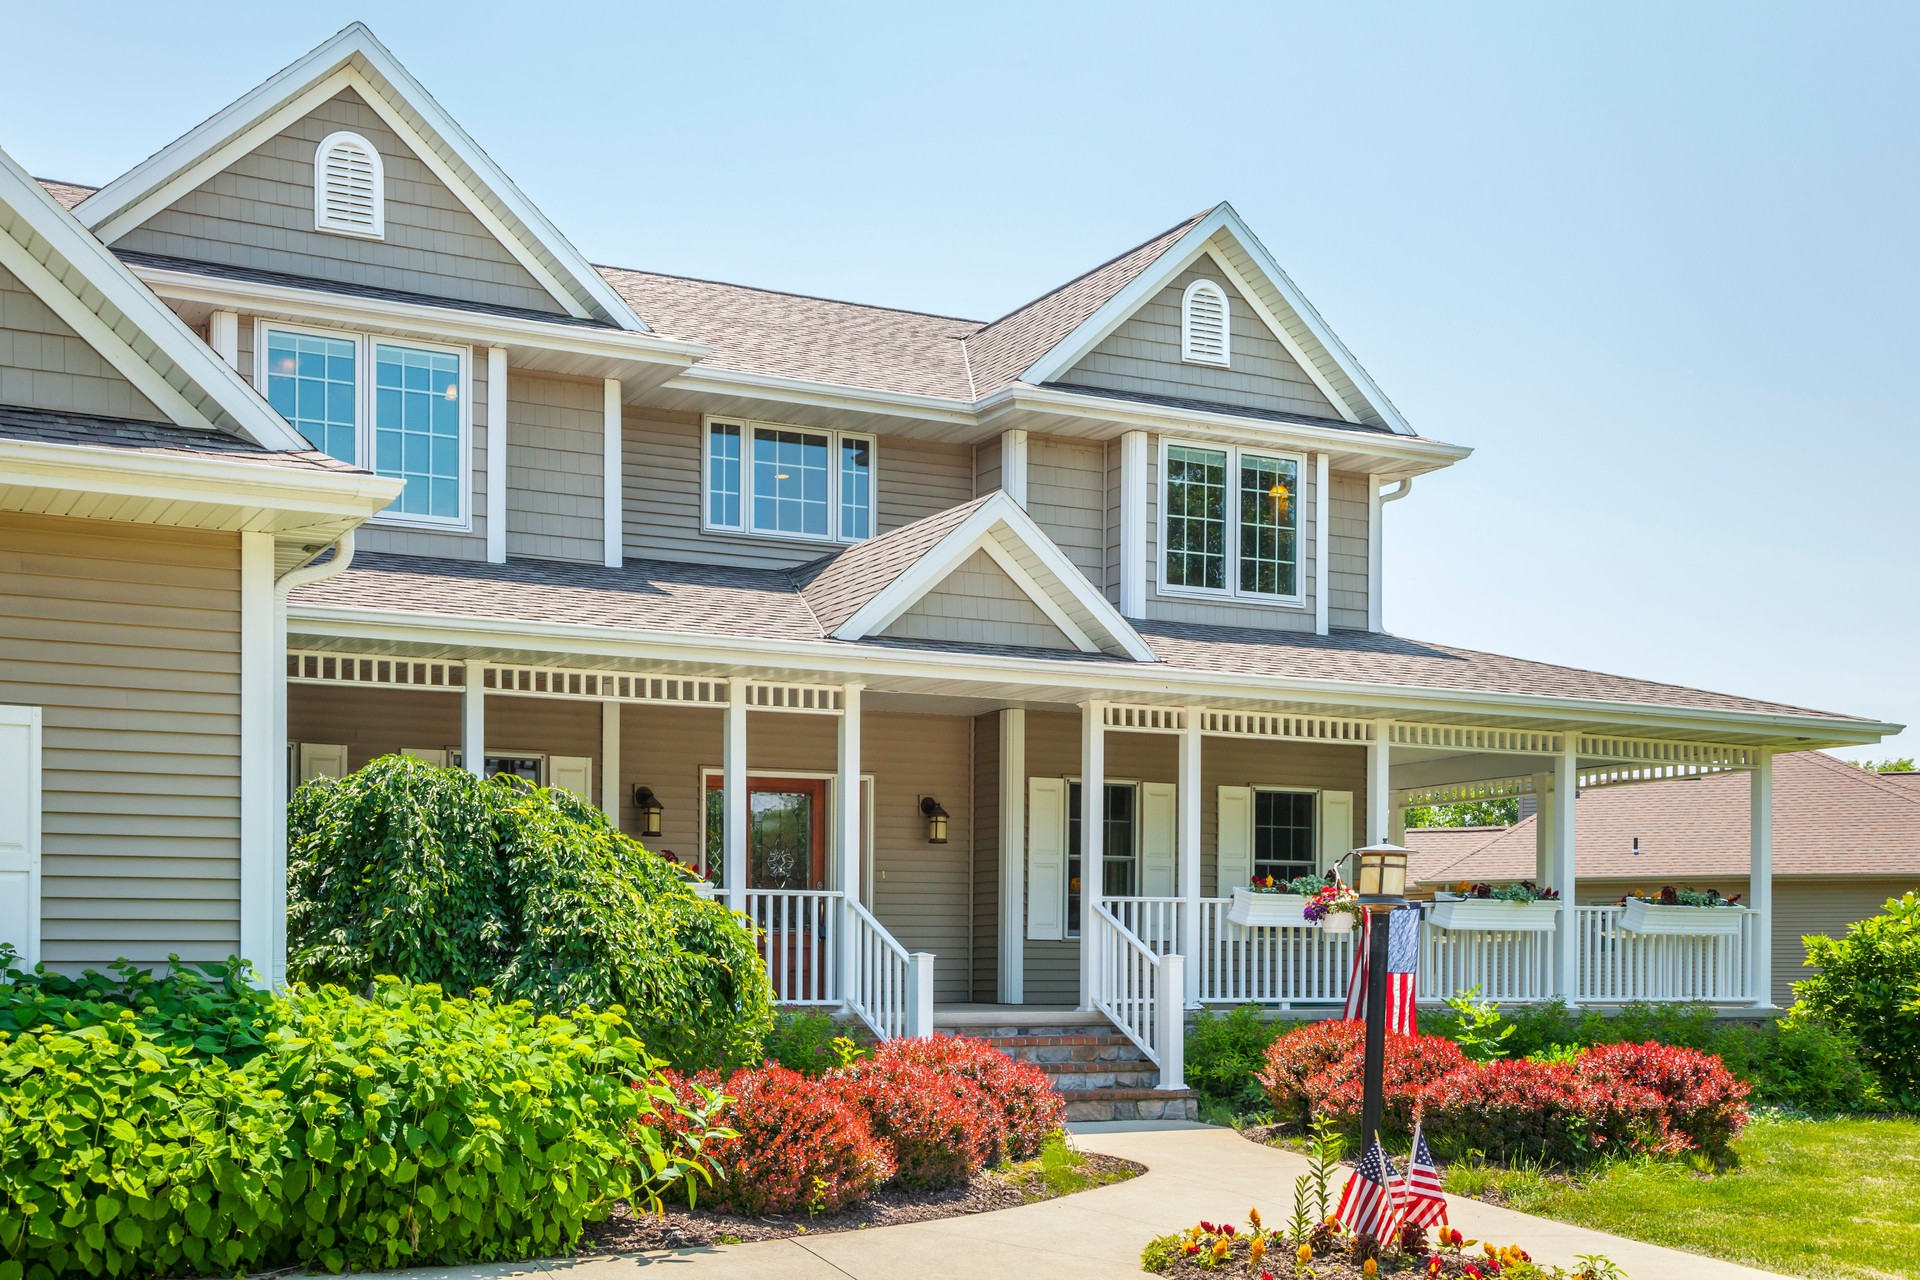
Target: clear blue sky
1657,263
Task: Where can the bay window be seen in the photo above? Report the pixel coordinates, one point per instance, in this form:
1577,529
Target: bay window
1230,522
790,482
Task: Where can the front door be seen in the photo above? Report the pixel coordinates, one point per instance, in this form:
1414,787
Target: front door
786,857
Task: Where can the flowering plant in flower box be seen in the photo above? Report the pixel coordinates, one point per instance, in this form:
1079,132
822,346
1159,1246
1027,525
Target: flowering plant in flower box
1335,907
1299,886
1668,896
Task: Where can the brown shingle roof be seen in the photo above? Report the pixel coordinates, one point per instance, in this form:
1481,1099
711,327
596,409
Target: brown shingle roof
48,426
1830,818
65,194
839,585
1436,847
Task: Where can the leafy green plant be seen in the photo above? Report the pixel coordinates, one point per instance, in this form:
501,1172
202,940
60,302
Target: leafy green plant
1868,985
214,1009
436,876
1564,1054
810,1043
1223,1052
1480,1031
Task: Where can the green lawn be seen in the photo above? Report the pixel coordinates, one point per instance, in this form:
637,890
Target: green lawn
1809,1198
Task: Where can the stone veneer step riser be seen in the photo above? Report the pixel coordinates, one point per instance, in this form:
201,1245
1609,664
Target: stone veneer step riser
1099,1074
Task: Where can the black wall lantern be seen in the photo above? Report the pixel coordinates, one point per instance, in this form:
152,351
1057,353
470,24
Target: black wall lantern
647,805
936,820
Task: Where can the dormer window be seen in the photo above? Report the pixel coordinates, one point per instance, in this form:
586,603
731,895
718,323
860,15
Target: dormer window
1204,336
349,189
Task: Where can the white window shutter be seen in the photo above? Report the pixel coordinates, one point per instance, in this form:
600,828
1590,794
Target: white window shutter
1157,839
1233,853
20,831
1046,858
1205,331
571,773
1336,828
322,760
431,755
349,187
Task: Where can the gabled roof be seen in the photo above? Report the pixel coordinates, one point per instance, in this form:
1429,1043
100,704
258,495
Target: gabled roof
1435,848
354,58
97,297
1830,818
49,426
859,592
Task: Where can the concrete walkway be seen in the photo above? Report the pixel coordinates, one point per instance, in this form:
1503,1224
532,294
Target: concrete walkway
1193,1172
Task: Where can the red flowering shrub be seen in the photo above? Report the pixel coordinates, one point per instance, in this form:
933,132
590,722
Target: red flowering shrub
942,1127
1317,1068
1704,1102
1542,1111
1029,1108
802,1146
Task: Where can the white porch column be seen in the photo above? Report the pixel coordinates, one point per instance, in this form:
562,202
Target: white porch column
1013,855
496,455
1397,825
1760,882
223,335
1379,782
1322,544
733,783
1013,465
1566,786
1543,828
1188,844
612,513
846,799
473,721
1133,524
263,668
610,761
1093,793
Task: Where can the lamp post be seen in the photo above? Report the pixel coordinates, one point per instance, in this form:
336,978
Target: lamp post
1380,882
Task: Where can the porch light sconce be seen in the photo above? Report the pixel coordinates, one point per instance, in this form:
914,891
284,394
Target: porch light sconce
1380,874
647,805
936,820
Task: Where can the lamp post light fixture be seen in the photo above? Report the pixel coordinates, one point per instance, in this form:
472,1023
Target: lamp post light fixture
936,820
648,806
1380,881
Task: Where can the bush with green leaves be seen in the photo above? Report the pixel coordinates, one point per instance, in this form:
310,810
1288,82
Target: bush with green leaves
813,1043
1223,1052
437,876
216,1009
1868,986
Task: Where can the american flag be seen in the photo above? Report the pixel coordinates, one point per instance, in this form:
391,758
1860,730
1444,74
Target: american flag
1421,1199
1403,964
1370,1202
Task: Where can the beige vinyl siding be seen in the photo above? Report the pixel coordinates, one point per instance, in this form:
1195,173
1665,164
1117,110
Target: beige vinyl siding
665,493
44,364
1067,497
1347,551
258,213
987,467
1296,328
1247,762
1143,356
556,457
1225,610
986,856
979,604
129,640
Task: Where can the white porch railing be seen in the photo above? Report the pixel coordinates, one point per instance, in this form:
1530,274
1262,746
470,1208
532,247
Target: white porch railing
1507,965
888,987
799,932
1143,992
1270,966
1617,966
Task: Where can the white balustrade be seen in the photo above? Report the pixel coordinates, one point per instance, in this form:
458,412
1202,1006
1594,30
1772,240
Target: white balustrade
1506,964
798,933
1285,966
888,987
1141,991
1155,921
1617,965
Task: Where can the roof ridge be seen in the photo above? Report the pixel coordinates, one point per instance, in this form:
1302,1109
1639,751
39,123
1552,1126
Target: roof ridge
1869,776
789,293
1181,225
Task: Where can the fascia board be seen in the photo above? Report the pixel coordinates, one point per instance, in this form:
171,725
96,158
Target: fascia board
186,478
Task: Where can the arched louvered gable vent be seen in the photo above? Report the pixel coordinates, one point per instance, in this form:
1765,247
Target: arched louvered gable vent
349,192
1203,324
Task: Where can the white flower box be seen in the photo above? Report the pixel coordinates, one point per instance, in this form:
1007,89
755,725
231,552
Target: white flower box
706,889
1252,910
1337,922
1641,916
1493,916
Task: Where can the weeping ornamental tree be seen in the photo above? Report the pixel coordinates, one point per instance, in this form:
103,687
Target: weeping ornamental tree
434,875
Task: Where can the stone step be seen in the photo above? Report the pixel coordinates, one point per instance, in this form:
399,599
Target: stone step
1131,1104
1071,1079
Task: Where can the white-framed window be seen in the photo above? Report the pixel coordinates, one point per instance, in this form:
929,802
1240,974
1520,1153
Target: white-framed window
780,481
349,187
1119,847
1230,522
395,406
1206,330
1285,832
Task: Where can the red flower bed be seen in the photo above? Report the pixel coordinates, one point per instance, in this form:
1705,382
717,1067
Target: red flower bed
1318,1069
1029,1108
942,1127
802,1146
1704,1102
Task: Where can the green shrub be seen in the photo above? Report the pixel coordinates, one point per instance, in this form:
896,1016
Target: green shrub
433,875
1224,1050
811,1043
213,1009
1868,986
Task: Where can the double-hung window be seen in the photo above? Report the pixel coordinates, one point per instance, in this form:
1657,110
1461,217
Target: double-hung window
788,482
397,408
1230,522
1119,847
1284,846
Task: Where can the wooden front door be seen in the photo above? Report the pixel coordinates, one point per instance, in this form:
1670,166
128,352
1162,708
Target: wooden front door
786,855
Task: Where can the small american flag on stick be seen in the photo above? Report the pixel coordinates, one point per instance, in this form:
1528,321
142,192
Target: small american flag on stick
1421,1199
1370,1202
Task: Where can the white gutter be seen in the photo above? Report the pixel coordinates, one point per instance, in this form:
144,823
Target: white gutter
194,477
312,572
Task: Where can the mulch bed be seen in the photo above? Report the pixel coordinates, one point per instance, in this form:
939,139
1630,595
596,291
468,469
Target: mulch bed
683,1228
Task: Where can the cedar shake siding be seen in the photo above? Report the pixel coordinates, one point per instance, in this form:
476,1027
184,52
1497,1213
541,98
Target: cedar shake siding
44,364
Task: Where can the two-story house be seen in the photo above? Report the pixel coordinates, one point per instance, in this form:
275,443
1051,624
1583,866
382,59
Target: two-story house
319,441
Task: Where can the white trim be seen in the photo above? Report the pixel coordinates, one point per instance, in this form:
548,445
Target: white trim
294,91
1191,772
32,820
1013,464
1379,781
734,781
1232,590
832,778
1034,592
1566,790
223,335
497,418
1760,879
612,478
847,839
1013,855
326,219
1376,558
1322,543
611,791
473,718
1133,525
366,358
1093,799
262,668
749,428
1278,329
1190,353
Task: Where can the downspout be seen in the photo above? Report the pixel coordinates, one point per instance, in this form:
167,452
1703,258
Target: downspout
317,570
1401,490
1376,548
